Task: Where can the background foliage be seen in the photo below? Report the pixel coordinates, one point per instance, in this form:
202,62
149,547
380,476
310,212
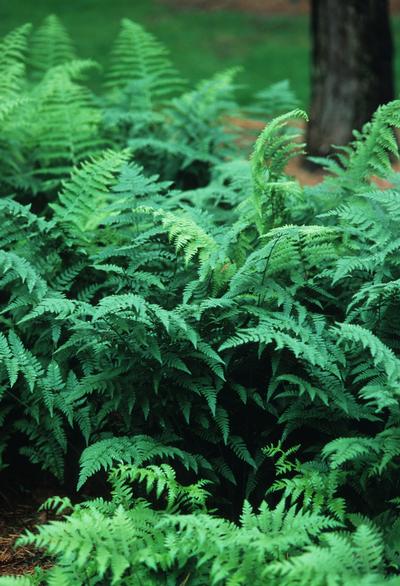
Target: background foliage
260,45
268,47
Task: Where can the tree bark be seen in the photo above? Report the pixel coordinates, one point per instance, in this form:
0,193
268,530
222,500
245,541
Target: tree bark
352,68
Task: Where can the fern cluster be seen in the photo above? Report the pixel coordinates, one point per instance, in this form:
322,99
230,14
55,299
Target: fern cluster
171,311
167,536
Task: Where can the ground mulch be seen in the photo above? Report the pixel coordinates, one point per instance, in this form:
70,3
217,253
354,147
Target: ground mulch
16,516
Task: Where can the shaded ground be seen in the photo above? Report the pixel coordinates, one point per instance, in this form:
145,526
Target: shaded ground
15,518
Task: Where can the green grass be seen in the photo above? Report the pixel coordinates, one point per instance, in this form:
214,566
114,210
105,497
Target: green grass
269,48
201,43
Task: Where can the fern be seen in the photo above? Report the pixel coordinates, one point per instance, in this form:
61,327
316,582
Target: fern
138,450
274,149
50,46
82,202
63,125
167,302
140,60
13,51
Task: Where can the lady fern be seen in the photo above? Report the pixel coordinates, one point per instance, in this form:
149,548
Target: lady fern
139,60
51,45
164,301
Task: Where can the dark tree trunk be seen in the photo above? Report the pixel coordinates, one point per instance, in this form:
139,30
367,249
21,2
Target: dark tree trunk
352,68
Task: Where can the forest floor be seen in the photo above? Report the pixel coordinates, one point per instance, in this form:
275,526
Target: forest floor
15,519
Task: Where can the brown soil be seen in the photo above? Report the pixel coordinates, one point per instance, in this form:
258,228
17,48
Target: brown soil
16,516
23,560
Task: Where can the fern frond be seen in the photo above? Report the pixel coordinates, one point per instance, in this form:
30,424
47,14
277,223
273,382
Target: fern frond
83,201
51,45
140,60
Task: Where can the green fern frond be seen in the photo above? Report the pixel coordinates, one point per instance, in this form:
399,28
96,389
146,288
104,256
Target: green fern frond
83,201
273,149
137,450
13,50
139,59
50,46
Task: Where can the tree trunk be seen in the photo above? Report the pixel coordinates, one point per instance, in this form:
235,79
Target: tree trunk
352,68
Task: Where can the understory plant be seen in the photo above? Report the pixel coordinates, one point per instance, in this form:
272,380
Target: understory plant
219,340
